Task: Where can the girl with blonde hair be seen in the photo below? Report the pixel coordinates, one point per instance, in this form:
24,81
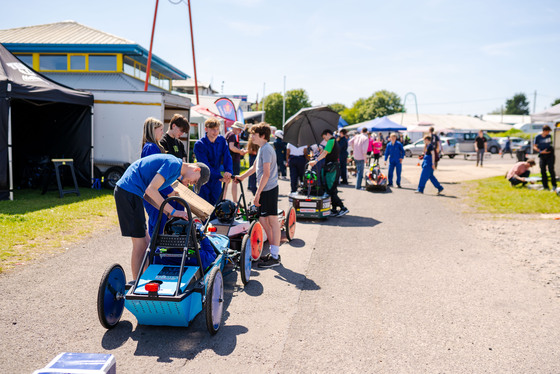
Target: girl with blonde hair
153,132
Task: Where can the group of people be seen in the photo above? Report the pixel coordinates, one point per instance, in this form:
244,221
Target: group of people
394,153
147,182
519,173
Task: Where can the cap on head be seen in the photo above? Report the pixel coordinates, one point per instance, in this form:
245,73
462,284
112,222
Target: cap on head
279,134
238,125
204,176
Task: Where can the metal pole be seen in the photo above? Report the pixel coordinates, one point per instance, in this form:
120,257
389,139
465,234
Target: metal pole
264,85
535,103
284,103
415,102
193,58
150,52
10,161
92,149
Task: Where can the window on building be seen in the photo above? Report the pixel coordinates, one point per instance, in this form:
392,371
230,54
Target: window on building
26,59
77,62
53,62
102,63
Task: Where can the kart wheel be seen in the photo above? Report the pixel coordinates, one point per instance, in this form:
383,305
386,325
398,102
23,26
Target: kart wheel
245,260
214,300
256,238
110,297
291,224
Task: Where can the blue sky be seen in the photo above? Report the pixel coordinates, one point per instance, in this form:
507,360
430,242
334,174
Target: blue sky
457,57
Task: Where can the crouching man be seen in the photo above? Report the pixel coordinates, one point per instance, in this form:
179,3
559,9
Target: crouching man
519,172
144,179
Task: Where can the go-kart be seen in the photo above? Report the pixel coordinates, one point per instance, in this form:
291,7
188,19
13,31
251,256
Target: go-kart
311,199
240,224
375,179
182,276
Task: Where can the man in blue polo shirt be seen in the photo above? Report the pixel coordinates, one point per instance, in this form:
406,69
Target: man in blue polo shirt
144,179
395,153
213,151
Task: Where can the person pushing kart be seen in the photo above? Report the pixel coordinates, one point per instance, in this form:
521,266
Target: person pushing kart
144,179
331,172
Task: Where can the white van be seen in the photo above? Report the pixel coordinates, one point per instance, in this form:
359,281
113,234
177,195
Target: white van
529,128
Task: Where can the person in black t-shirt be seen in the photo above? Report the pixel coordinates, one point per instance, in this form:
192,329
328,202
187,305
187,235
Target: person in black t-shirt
236,152
543,145
480,147
170,141
436,142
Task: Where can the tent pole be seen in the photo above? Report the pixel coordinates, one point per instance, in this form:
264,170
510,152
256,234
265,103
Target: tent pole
10,161
92,145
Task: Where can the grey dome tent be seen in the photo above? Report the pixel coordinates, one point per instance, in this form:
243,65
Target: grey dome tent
40,118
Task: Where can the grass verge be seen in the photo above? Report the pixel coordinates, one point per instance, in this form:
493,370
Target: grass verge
496,195
34,225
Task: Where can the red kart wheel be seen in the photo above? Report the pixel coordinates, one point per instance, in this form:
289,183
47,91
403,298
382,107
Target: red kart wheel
256,238
290,224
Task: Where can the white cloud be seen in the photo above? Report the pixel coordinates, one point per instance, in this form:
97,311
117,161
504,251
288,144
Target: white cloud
249,29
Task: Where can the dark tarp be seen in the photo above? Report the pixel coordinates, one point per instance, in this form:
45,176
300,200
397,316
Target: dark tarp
48,119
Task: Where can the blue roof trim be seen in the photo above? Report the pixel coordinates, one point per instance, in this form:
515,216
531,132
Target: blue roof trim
139,53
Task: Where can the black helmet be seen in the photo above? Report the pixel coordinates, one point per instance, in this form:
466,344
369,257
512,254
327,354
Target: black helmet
176,226
225,211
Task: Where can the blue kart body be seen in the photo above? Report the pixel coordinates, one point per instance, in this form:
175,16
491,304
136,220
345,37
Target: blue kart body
150,312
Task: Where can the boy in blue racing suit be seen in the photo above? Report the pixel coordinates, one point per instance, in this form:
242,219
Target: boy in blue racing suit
395,153
213,151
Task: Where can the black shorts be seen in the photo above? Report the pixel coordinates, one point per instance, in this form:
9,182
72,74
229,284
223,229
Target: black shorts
269,203
130,210
236,167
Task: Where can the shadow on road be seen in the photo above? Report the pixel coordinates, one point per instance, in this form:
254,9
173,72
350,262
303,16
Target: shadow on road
169,343
299,280
350,220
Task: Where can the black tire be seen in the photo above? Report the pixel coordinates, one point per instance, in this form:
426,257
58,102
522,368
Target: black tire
494,150
408,153
110,296
451,156
213,315
244,271
112,176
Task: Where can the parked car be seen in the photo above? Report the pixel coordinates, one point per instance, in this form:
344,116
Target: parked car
417,148
529,128
492,145
516,143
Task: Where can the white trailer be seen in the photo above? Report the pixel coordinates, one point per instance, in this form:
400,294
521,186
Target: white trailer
118,126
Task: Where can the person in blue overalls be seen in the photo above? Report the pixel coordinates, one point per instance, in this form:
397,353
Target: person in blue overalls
213,151
395,153
428,167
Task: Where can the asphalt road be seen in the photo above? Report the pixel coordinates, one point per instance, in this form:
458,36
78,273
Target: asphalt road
402,284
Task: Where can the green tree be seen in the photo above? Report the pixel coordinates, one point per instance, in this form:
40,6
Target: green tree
337,107
556,102
517,105
381,103
295,100
272,108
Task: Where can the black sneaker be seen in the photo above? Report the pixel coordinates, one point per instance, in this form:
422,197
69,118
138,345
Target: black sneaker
334,212
269,262
342,212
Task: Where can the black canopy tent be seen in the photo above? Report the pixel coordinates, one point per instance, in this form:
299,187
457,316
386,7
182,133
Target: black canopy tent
39,117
